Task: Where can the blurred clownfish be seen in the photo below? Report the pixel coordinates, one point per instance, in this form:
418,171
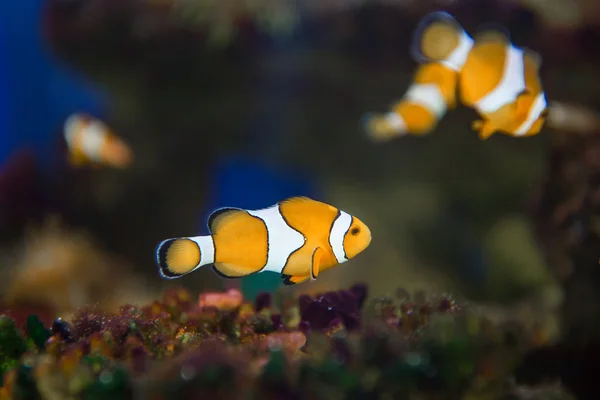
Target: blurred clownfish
297,238
500,81
90,141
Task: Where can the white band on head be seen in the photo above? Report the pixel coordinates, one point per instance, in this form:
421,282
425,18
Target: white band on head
537,108
283,240
509,87
429,96
456,60
207,249
93,138
396,121
72,126
336,236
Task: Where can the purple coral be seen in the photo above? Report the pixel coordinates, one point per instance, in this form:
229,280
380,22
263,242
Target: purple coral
359,290
64,329
323,310
276,321
87,322
262,301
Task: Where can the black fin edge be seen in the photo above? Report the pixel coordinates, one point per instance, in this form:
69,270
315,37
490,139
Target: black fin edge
222,275
161,259
287,280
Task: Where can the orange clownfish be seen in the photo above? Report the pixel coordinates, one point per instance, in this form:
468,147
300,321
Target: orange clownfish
488,73
298,238
90,141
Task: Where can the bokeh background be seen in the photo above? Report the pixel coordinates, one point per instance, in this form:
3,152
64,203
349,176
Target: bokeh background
245,102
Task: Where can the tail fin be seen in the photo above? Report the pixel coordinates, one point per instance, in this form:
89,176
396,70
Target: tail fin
574,118
178,257
439,37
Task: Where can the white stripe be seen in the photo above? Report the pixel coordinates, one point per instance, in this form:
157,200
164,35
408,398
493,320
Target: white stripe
336,236
509,87
94,136
427,95
536,109
207,249
72,125
457,59
283,239
396,121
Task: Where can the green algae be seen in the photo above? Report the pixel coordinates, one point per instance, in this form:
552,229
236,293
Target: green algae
37,332
12,345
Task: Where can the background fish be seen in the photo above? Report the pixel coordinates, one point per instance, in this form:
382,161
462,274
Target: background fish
297,237
488,73
90,141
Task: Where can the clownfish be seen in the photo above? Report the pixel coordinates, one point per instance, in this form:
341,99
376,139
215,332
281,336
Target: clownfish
298,238
487,73
90,141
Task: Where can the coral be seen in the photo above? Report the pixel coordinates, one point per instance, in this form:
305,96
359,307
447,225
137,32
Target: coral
331,345
225,301
333,309
48,274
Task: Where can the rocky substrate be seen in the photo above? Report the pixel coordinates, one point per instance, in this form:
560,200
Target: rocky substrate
219,346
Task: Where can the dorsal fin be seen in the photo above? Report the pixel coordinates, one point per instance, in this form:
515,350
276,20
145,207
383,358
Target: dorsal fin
534,55
439,32
297,200
219,216
492,32
302,204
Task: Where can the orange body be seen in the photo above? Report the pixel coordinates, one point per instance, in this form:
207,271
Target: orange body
298,238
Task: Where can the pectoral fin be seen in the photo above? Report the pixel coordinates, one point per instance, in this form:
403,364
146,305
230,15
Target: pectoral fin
523,104
484,129
294,279
317,258
76,159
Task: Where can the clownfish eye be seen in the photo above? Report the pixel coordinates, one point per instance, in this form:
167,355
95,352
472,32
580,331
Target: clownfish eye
355,231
